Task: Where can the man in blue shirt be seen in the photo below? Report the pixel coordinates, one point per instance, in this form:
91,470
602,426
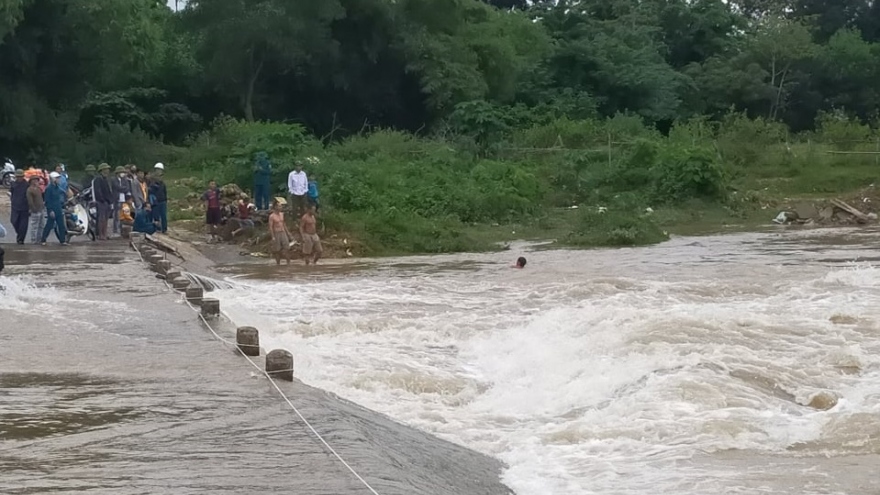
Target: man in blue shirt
55,200
63,181
313,193
143,220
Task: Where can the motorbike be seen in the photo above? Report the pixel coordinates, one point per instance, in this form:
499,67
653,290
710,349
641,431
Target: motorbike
81,215
7,176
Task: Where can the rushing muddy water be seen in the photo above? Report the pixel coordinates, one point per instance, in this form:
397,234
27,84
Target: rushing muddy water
110,386
684,368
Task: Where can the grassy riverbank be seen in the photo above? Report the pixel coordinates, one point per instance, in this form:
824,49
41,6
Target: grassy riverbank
588,183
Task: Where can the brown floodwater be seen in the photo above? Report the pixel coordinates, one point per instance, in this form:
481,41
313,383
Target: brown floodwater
109,385
743,363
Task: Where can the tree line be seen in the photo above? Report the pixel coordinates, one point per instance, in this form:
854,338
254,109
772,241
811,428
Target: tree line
77,77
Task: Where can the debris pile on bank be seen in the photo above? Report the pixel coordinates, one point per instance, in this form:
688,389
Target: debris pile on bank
859,209
255,242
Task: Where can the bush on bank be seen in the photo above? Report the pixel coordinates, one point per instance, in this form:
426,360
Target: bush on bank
401,193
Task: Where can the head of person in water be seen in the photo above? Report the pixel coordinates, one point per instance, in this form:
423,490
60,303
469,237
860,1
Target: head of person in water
521,262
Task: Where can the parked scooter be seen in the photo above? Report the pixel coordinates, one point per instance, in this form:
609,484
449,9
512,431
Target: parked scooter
82,215
7,176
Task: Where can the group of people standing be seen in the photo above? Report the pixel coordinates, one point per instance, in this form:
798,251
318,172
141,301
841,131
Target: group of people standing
302,201
130,197
302,192
135,198
38,205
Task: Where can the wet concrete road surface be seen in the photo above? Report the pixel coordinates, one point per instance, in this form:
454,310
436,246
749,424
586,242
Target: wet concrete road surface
110,385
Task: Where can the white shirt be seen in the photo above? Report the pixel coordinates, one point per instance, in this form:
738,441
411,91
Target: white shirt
297,183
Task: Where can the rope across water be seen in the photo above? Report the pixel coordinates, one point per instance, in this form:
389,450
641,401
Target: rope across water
275,385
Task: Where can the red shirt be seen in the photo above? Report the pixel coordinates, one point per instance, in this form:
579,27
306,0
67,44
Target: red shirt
212,196
243,210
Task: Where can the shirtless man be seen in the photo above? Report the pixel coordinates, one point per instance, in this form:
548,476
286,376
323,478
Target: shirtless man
280,234
311,242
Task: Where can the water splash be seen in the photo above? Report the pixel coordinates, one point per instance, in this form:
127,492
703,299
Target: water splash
23,292
207,283
600,375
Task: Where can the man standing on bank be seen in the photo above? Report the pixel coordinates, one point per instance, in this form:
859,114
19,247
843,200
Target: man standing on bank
159,197
103,199
308,228
20,210
298,186
212,209
37,208
280,234
121,190
55,198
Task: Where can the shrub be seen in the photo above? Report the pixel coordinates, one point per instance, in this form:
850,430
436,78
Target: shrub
615,227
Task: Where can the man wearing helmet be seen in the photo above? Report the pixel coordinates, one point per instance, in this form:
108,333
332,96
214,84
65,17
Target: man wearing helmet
159,197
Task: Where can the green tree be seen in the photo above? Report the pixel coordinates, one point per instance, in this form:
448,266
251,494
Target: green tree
613,52
472,52
777,46
58,52
11,12
240,39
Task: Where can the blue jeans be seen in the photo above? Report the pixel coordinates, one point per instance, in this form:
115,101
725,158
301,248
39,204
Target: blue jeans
160,213
261,196
57,223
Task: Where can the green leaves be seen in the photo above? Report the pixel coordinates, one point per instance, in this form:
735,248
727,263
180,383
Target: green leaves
613,52
472,52
11,13
239,41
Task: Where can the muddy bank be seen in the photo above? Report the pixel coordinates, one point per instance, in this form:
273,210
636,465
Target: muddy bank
111,385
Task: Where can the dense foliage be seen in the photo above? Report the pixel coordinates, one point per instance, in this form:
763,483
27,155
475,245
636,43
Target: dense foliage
432,114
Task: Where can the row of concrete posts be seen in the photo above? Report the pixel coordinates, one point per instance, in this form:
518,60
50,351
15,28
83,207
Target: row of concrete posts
279,362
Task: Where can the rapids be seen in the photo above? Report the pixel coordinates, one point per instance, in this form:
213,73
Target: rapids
685,368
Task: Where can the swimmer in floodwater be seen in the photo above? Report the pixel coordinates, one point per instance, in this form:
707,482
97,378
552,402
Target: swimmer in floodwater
520,262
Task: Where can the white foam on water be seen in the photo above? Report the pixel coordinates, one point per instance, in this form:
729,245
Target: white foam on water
29,295
22,293
600,383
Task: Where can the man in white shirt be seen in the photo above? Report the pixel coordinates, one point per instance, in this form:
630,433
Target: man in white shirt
298,187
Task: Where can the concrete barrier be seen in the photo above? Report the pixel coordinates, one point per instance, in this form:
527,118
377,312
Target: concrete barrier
210,308
172,274
180,284
248,340
154,259
279,364
194,295
163,267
